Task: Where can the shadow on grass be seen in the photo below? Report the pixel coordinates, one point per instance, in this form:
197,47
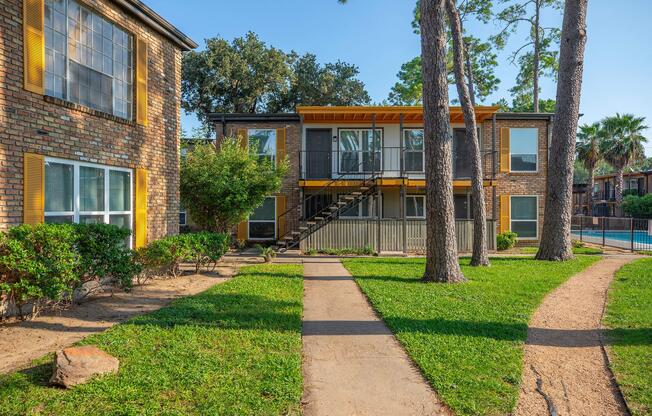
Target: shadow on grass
568,338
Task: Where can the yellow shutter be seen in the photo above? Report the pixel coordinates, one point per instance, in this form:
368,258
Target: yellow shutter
141,81
140,209
280,220
242,231
33,188
34,46
504,213
280,145
504,150
243,138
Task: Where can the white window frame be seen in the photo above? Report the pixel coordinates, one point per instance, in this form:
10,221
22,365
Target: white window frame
536,237
419,196
405,150
360,151
249,221
536,153
131,66
76,213
369,200
272,156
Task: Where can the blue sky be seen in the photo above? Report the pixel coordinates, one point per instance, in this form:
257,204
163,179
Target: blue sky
376,35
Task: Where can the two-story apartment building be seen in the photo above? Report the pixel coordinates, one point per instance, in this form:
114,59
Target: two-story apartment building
357,175
89,115
604,193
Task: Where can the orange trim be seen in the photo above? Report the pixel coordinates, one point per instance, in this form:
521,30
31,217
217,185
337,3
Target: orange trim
383,114
416,183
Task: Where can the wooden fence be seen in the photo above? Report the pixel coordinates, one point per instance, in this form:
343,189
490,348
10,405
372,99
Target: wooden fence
354,233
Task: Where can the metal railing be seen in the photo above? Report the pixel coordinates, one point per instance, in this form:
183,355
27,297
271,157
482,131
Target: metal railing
634,234
387,161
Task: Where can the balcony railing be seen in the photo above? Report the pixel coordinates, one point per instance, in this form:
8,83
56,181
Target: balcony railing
389,162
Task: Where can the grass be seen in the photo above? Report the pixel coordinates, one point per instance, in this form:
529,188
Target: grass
629,317
576,250
467,338
234,349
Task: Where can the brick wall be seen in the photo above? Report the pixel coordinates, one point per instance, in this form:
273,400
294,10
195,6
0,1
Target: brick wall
32,123
290,187
513,183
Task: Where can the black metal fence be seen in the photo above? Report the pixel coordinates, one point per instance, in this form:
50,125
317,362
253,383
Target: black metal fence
633,234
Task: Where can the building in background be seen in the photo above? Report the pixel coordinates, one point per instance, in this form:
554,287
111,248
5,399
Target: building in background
90,115
357,175
604,195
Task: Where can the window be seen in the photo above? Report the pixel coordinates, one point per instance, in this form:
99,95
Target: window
360,150
415,206
362,209
413,152
462,206
88,60
262,142
524,149
182,216
262,222
524,214
87,193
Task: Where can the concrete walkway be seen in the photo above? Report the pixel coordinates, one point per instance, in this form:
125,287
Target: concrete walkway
352,364
565,370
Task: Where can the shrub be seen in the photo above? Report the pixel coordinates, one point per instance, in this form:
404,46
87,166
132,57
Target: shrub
506,240
364,251
167,254
38,263
267,253
104,254
577,244
638,206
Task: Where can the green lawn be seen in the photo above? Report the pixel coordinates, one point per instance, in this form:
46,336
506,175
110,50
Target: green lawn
232,350
629,317
467,338
576,250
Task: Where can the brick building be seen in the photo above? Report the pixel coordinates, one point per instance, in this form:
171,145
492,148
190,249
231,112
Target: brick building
89,114
357,175
636,183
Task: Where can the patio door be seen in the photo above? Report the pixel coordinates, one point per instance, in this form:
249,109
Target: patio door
318,154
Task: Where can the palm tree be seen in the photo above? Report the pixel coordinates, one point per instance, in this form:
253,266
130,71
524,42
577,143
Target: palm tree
588,153
622,144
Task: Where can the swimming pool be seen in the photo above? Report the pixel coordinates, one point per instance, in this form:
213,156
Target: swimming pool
641,239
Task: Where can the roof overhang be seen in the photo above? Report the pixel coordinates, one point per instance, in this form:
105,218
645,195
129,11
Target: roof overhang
382,114
158,23
253,117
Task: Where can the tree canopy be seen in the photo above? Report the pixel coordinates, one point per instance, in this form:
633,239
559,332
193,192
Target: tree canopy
221,188
248,76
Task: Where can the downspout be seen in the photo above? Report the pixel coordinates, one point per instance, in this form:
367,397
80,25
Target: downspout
403,190
494,197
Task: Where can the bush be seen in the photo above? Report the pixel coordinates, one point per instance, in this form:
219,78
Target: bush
167,254
38,264
364,251
104,254
577,244
506,240
638,206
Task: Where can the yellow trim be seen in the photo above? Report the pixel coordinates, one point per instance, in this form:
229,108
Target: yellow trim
382,114
141,81
33,188
140,209
504,213
243,230
505,149
34,46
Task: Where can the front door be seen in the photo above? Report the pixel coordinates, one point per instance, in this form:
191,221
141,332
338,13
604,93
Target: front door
318,153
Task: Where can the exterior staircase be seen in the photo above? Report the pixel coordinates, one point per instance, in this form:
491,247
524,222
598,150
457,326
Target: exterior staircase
293,238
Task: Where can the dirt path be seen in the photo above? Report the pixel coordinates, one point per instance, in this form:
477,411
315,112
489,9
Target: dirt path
565,370
352,364
22,342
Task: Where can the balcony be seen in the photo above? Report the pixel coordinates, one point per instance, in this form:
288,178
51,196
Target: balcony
386,162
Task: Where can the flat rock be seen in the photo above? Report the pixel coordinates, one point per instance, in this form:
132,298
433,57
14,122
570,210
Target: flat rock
76,365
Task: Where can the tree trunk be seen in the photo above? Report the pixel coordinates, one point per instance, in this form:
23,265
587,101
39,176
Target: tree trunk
441,245
590,186
469,73
619,186
537,56
479,256
555,239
